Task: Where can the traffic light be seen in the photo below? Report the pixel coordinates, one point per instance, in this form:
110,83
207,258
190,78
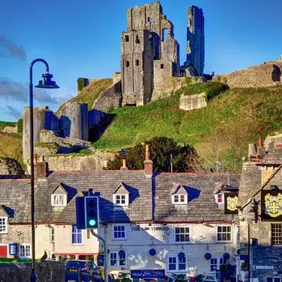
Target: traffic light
91,212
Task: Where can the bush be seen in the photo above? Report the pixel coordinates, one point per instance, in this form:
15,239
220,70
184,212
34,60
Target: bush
20,125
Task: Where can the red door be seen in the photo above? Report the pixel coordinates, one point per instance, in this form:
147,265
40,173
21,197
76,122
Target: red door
3,251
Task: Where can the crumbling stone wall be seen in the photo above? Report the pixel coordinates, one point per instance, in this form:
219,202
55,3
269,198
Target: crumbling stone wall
109,98
195,48
74,120
45,271
264,75
90,162
144,42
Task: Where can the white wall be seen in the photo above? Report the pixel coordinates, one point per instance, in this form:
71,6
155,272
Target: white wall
140,240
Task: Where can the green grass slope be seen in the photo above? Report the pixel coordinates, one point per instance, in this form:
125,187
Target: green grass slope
90,93
220,132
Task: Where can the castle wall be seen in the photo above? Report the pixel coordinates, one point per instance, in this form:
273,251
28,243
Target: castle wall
39,123
109,98
74,120
264,75
195,49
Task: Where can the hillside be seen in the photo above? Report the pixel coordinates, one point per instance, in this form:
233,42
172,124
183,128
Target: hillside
221,131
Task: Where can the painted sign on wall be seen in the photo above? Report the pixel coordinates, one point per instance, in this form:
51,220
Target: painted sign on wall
271,205
230,203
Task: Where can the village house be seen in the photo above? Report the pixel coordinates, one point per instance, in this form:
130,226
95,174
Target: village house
180,222
260,212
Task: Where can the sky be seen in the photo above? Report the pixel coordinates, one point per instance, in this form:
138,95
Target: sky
82,38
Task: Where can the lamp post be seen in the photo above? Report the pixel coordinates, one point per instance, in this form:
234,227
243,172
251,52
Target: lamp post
45,83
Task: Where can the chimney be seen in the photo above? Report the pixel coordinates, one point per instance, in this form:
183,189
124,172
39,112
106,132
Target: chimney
124,167
40,169
148,163
260,142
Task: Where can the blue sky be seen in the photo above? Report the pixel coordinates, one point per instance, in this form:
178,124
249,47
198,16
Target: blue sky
81,38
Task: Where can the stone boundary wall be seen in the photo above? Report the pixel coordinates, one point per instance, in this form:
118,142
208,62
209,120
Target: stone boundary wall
264,75
20,272
192,102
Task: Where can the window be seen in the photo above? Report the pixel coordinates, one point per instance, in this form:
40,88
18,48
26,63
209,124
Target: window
119,232
3,224
127,64
52,235
118,259
137,62
149,19
220,198
273,279
215,263
276,234
182,234
223,233
137,39
177,262
126,38
121,199
25,251
59,200
179,199
161,66
76,235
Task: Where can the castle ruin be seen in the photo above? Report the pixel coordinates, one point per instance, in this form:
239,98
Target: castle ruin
149,62
150,53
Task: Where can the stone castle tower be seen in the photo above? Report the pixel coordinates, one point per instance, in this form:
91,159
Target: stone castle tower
195,40
148,50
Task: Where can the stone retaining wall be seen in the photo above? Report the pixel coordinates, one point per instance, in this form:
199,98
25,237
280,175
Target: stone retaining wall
20,272
192,102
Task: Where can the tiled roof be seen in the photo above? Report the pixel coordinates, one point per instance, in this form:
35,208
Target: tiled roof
15,196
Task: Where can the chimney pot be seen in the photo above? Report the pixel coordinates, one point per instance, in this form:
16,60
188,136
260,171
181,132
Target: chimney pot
124,164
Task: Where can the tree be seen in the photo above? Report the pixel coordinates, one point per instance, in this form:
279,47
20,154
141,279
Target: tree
163,151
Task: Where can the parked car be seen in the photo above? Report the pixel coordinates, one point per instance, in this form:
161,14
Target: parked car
82,270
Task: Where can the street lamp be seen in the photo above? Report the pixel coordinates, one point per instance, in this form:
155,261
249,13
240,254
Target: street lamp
45,83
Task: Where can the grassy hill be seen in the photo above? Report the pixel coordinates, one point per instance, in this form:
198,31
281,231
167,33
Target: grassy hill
219,132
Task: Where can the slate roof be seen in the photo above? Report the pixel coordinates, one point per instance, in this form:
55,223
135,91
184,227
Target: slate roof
273,156
15,196
201,206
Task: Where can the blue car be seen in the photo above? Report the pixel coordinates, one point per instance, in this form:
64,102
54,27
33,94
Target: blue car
82,270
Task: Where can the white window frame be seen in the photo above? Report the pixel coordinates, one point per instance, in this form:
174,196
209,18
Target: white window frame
58,202
117,199
25,250
177,262
224,232
118,260
222,199
52,234
76,233
115,231
3,224
179,199
189,233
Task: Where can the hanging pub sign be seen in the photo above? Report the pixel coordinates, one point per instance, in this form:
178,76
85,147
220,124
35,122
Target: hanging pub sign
230,203
271,205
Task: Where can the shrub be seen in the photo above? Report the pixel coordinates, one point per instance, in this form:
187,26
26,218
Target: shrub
80,83
20,125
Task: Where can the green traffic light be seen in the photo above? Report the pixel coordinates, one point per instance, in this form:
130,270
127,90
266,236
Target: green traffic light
92,222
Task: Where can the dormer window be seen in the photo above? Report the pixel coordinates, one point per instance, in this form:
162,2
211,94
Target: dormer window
121,200
219,198
179,195
179,199
59,196
59,200
121,196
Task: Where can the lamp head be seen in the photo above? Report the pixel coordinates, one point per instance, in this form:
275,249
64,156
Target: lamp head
47,82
